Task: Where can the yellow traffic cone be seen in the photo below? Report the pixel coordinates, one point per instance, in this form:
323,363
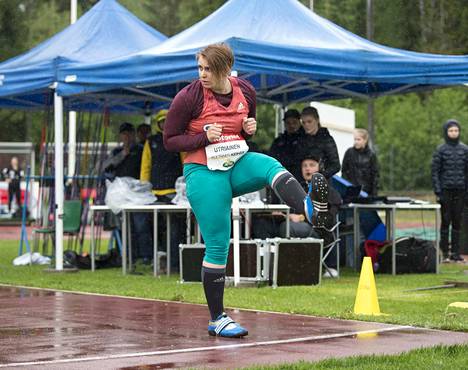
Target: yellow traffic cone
367,302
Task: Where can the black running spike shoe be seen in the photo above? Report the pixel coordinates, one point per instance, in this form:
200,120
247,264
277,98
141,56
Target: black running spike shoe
316,202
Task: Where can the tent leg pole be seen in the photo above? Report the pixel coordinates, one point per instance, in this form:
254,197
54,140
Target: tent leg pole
59,188
71,145
279,114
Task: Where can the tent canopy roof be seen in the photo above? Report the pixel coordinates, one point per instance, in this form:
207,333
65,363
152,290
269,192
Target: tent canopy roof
279,22
106,31
289,53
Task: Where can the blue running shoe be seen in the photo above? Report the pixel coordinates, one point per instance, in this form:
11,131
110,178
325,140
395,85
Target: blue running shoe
226,327
316,202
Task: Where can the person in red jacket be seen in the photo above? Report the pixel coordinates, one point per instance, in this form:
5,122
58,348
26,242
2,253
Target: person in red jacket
211,119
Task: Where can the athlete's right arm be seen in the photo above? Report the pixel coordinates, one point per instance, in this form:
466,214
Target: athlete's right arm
178,118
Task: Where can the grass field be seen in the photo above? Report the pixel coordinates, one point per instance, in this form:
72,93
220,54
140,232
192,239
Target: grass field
440,358
334,298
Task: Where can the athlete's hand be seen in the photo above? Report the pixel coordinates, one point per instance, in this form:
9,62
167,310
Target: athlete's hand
249,125
214,132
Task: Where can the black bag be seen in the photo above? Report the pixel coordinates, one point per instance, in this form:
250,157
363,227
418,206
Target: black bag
110,259
83,262
413,255
73,259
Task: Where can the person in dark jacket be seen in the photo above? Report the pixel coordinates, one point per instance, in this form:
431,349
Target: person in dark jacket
450,184
125,161
360,164
13,176
143,132
162,168
284,147
317,139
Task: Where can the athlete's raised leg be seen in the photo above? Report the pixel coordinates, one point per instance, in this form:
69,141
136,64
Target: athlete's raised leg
255,171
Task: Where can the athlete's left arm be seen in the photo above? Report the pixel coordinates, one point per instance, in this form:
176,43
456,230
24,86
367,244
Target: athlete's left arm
251,97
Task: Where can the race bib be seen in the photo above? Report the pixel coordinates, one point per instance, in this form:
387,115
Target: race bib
224,153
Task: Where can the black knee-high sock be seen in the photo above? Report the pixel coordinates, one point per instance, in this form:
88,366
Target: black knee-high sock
213,284
290,192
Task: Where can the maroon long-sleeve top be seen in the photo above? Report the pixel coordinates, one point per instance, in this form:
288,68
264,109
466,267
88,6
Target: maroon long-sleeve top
188,105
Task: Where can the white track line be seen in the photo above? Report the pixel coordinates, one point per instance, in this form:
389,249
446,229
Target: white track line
98,294
201,349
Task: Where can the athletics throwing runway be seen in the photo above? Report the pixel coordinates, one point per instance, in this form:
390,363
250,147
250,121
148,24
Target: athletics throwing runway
60,330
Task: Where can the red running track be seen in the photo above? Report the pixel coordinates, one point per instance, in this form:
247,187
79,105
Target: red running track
44,329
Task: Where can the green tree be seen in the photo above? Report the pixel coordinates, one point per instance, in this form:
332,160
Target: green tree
408,127
408,131
13,29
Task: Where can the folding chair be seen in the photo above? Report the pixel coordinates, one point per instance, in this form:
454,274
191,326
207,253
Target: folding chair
328,247
71,226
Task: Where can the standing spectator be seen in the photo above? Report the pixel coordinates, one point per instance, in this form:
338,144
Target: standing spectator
159,166
318,139
360,163
450,183
13,176
125,161
143,133
162,168
284,147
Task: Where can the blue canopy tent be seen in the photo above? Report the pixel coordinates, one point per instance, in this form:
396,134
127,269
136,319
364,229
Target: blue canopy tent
289,53
28,81
106,31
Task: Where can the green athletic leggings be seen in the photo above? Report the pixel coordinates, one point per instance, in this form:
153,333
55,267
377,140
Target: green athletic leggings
210,194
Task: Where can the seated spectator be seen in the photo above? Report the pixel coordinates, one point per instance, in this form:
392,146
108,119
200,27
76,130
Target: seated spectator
268,227
298,227
360,163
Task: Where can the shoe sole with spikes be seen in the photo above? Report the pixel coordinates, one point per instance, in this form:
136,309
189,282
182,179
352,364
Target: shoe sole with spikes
317,202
